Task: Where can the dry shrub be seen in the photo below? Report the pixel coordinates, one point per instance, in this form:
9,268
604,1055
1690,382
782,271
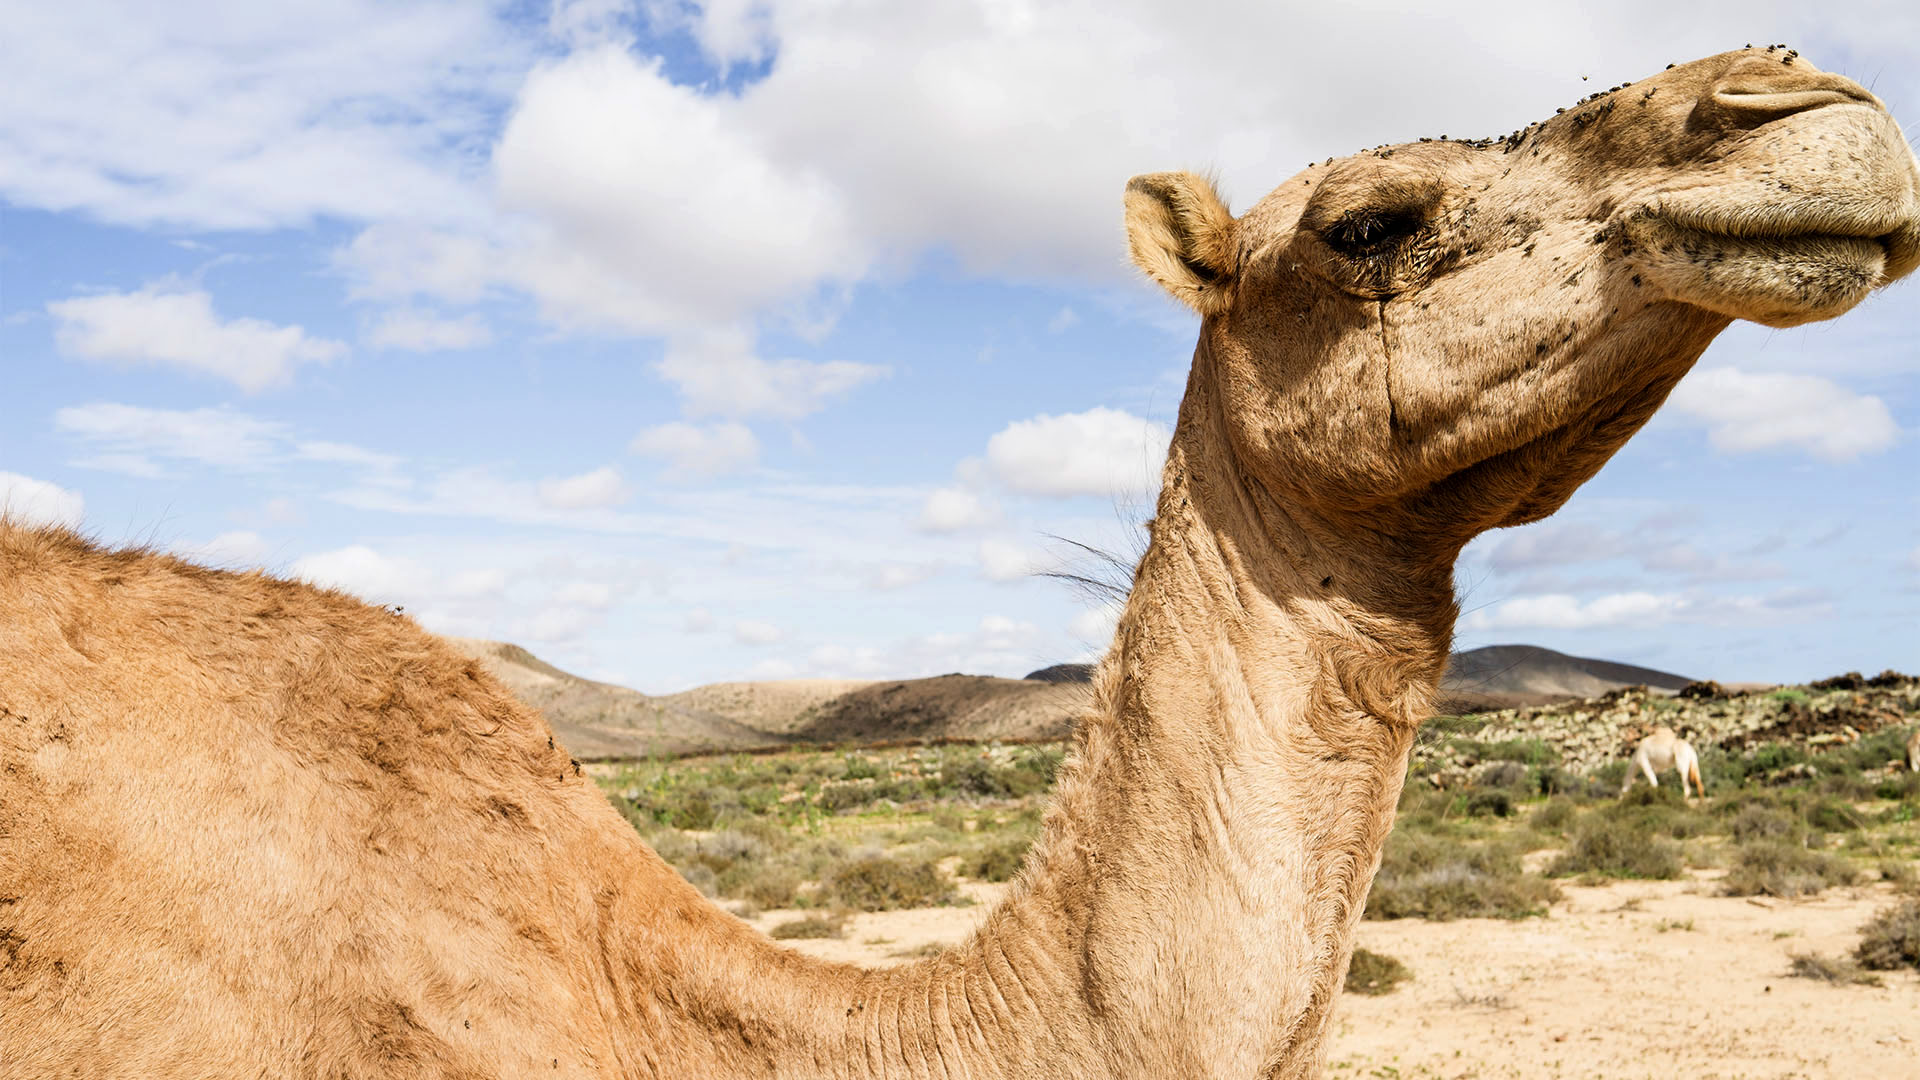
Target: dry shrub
1891,939
1604,845
1373,973
883,883
1435,877
811,927
998,862
1554,817
1834,969
1785,871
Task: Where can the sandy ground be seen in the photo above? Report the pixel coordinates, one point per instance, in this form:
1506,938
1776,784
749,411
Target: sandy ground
1596,990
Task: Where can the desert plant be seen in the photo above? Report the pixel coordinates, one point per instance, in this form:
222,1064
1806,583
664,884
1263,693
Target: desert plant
1372,973
1603,845
1891,939
811,927
1424,875
1771,868
1833,969
883,883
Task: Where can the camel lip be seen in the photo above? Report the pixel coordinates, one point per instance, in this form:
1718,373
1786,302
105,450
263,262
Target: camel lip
1808,220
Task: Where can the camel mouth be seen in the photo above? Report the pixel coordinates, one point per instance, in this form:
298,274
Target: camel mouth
1779,266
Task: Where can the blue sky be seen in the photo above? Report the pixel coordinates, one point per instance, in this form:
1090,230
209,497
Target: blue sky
683,343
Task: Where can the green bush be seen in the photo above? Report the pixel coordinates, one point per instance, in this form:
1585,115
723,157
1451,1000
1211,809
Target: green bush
1423,875
1784,871
1830,816
1603,845
883,883
1757,822
997,862
1554,817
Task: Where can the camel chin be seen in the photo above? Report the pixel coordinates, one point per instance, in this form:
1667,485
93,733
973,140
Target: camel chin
1792,238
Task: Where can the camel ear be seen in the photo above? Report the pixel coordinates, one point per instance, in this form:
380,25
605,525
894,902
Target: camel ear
1181,234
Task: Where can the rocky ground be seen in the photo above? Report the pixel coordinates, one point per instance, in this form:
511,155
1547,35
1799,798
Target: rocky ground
1586,735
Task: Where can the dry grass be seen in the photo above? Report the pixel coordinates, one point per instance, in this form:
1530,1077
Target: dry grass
1373,973
1834,969
1891,939
1784,871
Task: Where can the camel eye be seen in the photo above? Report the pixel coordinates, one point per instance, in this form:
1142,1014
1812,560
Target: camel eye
1371,231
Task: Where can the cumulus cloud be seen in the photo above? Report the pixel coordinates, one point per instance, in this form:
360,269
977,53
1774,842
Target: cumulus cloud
697,451
419,331
1744,412
1003,560
130,436
1562,611
241,547
602,487
720,373
756,632
37,502
166,326
364,572
1101,451
955,510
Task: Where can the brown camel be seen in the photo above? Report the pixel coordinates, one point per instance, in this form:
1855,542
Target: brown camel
249,827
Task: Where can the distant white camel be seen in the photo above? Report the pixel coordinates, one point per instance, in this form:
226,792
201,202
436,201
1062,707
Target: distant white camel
1665,750
1913,751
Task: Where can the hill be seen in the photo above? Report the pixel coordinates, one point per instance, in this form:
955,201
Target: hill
601,720
1495,677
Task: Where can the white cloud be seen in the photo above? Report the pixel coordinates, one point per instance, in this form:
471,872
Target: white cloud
1062,320
1744,412
239,548
364,572
1098,452
699,451
37,502
755,632
170,327
899,575
698,621
473,584
1562,611
559,623
229,116
954,510
600,488
130,435
719,373
655,207
418,331
1096,625
1003,560
346,454
597,595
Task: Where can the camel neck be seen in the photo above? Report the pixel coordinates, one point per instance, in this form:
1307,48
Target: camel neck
1190,904
1192,900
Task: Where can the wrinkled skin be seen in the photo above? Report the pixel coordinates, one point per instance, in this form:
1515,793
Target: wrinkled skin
1453,336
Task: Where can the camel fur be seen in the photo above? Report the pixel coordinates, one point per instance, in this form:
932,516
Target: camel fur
249,827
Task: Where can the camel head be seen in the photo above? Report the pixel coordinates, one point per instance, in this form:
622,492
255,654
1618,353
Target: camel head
1450,336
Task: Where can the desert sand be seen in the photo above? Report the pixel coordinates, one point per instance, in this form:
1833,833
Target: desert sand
1598,989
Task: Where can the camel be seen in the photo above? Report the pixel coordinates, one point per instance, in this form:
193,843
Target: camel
252,827
1913,751
1661,751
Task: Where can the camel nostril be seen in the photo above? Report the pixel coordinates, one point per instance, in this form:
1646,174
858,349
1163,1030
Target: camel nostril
1761,89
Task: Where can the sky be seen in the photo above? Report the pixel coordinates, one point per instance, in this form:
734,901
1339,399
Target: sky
689,342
